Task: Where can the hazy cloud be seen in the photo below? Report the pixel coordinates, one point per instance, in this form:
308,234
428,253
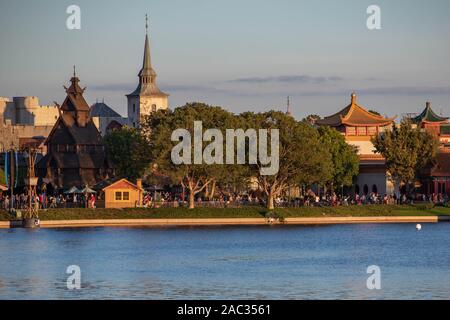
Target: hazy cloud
113,87
410,91
288,79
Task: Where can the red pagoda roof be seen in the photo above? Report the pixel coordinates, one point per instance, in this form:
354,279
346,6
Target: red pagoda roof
355,115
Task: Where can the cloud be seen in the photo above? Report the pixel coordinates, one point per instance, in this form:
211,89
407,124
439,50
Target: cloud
288,79
113,87
408,91
192,88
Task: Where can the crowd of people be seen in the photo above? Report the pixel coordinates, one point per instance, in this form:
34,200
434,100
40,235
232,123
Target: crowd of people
169,199
43,201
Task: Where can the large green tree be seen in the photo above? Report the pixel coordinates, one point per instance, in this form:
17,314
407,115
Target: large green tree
129,151
303,159
344,157
195,177
407,150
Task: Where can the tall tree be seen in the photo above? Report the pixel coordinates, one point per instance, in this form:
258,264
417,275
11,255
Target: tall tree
344,157
129,151
302,156
407,150
195,177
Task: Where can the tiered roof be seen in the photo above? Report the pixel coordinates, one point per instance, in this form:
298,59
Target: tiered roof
429,116
355,115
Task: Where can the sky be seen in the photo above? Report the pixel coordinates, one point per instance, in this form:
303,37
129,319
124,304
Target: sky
239,54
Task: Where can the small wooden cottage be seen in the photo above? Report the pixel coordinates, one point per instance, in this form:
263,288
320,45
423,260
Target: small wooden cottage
119,194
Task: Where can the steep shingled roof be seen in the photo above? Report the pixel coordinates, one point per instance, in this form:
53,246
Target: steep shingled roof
102,110
355,115
147,76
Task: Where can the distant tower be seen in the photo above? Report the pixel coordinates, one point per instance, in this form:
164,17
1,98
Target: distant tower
147,97
289,111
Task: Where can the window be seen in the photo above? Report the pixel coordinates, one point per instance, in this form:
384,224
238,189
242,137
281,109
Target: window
351,131
372,131
118,196
366,189
134,108
153,107
126,196
361,131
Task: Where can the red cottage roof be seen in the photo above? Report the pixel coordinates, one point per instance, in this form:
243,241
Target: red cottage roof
355,115
122,184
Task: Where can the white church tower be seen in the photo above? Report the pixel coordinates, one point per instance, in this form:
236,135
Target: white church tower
147,97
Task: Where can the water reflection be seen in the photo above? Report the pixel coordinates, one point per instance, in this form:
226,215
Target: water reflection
327,262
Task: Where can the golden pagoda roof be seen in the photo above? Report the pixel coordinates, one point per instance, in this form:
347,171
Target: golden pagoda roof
355,115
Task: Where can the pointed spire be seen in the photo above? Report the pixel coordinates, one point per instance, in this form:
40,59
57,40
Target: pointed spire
146,24
353,98
74,72
147,63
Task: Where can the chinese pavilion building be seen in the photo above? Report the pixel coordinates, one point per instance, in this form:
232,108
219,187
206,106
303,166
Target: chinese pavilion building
75,153
359,126
436,178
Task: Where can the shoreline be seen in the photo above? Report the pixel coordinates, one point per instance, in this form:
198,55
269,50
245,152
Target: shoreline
229,221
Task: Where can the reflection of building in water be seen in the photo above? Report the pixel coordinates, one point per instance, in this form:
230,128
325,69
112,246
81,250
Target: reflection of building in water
358,126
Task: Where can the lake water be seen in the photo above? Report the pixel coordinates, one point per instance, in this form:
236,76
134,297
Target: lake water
273,262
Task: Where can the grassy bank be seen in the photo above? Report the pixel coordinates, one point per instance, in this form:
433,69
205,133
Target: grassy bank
247,212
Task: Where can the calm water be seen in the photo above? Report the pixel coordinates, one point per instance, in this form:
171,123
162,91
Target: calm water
327,262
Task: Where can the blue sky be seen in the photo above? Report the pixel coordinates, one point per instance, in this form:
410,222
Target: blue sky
242,55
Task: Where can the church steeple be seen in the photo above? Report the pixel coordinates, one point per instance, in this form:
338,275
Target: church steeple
147,97
74,105
147,74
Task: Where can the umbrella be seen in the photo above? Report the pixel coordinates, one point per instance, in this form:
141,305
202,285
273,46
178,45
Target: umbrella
87,190
72,190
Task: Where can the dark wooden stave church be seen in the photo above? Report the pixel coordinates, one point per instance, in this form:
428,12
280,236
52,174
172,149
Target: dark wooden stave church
75,153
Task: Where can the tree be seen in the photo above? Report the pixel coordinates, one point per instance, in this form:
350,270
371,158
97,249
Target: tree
344,157
129,151
312,118
161,125
302,156
407,150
